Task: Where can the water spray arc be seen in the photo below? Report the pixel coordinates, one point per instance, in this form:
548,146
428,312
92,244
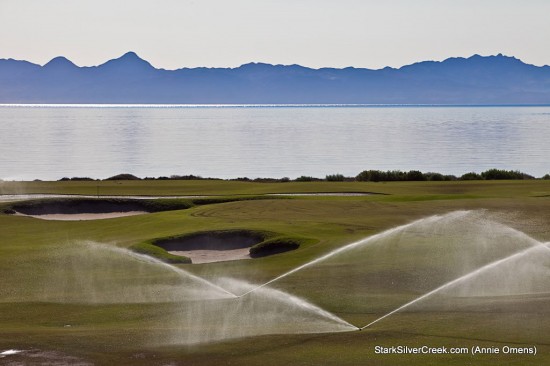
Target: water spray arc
92,272
365,241
266,311
177,270
460,279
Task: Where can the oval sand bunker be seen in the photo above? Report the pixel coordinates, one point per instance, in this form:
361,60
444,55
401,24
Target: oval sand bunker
212,246
79,209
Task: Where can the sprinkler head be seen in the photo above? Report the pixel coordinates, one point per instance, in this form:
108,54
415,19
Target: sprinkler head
359,329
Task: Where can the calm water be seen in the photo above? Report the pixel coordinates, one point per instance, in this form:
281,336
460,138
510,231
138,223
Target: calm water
50,143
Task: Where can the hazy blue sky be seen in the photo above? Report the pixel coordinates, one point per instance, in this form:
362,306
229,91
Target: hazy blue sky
315,33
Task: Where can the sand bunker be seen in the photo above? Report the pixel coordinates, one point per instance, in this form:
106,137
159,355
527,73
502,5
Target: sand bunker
84,216
210,256
80,209
213,246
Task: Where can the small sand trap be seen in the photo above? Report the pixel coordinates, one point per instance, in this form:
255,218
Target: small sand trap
80,209
208,247
84,216
210,256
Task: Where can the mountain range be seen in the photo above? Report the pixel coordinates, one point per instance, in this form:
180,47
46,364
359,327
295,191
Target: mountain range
129,79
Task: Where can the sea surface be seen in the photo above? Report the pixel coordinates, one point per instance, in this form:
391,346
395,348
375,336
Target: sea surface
51,142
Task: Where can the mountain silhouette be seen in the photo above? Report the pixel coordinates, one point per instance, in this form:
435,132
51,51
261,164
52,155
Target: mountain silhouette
130,79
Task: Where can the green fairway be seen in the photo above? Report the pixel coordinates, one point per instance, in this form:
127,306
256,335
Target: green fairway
65,296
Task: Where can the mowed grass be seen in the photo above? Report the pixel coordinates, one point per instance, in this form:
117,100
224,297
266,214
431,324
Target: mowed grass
120,333
219,187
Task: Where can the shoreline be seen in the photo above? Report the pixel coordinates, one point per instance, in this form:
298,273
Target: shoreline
371,175
262,105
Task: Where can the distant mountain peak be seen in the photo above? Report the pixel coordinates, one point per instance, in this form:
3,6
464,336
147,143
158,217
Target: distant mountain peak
130,61
254,65
499,56
130,55
59,62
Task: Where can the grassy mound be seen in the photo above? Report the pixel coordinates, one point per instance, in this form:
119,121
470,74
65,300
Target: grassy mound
276,245
159,253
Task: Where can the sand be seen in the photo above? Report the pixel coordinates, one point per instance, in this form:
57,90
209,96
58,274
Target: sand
84,216
210,256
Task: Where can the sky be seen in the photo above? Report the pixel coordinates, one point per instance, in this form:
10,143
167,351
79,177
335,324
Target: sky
315,33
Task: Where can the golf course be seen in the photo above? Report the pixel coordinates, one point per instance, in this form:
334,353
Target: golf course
214,272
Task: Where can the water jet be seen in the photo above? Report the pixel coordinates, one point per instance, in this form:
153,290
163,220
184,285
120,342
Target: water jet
360,243
89,272
537,247
266,311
